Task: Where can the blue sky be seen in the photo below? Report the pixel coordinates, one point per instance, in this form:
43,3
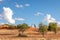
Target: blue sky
30,11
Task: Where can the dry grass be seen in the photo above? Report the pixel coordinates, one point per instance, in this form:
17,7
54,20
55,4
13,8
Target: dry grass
7,34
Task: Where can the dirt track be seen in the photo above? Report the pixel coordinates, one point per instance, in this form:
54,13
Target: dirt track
12,35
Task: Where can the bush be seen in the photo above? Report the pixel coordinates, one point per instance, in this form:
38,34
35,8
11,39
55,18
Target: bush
22,28
12,26
42,29
53,27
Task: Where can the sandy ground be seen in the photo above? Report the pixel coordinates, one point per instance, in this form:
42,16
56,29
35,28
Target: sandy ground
6,34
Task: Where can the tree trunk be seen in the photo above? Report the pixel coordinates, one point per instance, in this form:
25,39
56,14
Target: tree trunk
43,34
22,32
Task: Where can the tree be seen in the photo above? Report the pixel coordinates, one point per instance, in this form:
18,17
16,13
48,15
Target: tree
12,26
22,28
42,29
50,27
18,26
53,27
34,25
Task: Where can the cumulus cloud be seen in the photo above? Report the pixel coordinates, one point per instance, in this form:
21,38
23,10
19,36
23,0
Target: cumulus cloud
1,0
19,19
8,13
0,16
3,23
49,18
38,14
58,22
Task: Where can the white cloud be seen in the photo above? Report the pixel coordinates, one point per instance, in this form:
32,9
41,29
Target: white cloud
1,0
49,18
8,13
17,5
19,19
2,23
1,16
21,6
38,14
27,4
58,23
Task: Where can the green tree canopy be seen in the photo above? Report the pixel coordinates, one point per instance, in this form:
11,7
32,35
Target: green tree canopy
53,27
22,28
42,29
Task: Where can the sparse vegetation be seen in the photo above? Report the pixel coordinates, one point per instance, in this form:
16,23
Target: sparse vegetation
22,28
12,26
42,29
53,27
